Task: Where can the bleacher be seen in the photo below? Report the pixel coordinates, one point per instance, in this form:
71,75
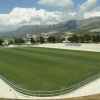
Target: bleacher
74,44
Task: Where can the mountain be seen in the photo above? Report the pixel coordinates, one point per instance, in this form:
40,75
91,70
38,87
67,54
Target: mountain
60,28
83,25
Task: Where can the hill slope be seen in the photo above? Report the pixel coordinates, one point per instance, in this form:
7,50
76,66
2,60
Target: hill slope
72,25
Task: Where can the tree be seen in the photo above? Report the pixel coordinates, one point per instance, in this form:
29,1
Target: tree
1,41
32,40
93,38
74,38
87,38
81,39
19,40
51,39
97,38
41,39
70,39
10,41
60,39
15,40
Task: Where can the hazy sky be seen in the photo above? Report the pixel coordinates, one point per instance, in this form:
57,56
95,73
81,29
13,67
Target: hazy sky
16,13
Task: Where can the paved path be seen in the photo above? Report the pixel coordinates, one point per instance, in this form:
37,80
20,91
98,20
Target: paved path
89,89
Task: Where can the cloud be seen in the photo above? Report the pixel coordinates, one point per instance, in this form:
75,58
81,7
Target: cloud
88,5
87,9
94,13
91,14
31,16
66,4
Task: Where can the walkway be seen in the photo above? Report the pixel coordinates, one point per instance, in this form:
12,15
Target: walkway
89,89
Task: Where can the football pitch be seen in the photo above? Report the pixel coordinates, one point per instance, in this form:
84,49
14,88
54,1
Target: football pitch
36,68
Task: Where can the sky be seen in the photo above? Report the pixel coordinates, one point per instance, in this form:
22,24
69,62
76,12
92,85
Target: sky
16,13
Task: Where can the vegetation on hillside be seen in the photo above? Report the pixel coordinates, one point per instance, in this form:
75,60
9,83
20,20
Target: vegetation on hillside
72,25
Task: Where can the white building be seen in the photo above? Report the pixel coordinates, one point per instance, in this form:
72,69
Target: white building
28,39
35,37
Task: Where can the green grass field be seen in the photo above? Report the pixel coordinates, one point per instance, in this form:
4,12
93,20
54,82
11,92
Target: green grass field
47,69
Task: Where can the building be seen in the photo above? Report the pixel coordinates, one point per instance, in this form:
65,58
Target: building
36,38
6,42
28,39
67,35
45,38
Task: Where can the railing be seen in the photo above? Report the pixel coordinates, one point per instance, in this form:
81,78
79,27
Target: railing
50,93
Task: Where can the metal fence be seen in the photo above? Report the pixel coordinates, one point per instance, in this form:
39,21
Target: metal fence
50,93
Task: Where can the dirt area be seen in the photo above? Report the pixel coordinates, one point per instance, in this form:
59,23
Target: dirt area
93,97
